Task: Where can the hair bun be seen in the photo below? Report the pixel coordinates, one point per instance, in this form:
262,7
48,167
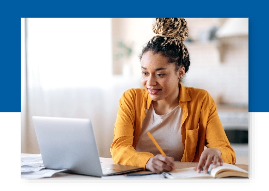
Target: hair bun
171,27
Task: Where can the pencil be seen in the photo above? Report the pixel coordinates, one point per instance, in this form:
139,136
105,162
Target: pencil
156,144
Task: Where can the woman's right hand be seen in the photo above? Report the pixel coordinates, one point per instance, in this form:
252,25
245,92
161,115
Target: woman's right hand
160,163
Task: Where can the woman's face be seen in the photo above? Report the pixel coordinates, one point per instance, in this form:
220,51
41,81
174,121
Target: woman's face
159,76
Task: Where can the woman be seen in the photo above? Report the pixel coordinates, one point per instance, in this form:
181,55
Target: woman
183,120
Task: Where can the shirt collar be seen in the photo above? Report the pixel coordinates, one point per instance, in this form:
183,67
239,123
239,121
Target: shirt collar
184,94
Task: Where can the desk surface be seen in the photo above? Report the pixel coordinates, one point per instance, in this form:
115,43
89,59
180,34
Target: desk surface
109,160
179,165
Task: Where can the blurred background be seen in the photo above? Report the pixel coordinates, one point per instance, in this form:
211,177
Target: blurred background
80,67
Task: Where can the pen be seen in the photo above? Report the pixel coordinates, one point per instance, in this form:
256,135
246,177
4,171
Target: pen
156,144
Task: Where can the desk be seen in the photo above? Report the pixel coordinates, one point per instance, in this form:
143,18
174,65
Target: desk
179,165
109,160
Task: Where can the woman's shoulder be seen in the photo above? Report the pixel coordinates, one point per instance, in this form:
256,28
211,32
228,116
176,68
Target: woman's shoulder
200,97
197,92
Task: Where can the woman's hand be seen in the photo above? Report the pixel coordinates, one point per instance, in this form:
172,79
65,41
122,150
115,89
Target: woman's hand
207,157
160,163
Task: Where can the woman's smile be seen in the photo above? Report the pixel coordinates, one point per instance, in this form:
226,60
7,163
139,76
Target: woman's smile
153,91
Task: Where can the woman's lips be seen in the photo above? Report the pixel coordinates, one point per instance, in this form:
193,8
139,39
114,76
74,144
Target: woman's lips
153,91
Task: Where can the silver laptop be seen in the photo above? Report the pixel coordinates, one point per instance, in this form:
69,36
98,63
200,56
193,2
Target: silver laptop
68,143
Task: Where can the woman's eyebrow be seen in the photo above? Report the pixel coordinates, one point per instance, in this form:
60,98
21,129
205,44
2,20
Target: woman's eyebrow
157,69
143,67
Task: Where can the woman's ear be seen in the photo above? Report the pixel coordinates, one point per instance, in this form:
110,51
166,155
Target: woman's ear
181,72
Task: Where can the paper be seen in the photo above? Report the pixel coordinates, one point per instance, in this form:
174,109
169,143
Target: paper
32,167
40,174
187,173
27,169
31,160
32,163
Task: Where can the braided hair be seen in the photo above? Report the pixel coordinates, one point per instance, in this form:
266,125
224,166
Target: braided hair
170,34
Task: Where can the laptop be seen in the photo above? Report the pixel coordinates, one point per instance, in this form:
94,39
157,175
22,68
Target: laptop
69,143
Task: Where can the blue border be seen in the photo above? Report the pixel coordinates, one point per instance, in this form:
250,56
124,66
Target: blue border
10,31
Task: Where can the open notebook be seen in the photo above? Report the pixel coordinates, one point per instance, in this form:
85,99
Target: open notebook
68,143
224,171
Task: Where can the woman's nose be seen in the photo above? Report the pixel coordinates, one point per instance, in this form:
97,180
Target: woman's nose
151,81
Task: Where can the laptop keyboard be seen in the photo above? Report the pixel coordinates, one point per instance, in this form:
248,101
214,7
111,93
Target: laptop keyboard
108,170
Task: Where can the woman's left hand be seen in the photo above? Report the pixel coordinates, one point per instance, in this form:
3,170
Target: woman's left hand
207,157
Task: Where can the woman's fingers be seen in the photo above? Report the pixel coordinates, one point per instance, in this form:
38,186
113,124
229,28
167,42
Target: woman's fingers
208,157
201,162
207,164
160,163
215,161
220,161
200,165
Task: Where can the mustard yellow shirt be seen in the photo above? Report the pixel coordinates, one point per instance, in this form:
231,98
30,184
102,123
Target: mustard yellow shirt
200,127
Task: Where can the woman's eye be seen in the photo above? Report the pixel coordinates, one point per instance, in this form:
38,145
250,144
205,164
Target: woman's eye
144,73
160,75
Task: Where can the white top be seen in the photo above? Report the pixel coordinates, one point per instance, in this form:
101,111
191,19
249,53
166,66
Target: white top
166,130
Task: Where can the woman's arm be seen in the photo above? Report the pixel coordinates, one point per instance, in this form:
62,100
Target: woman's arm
122,149
217,143
216,136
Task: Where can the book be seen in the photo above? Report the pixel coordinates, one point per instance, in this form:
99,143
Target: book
227,170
